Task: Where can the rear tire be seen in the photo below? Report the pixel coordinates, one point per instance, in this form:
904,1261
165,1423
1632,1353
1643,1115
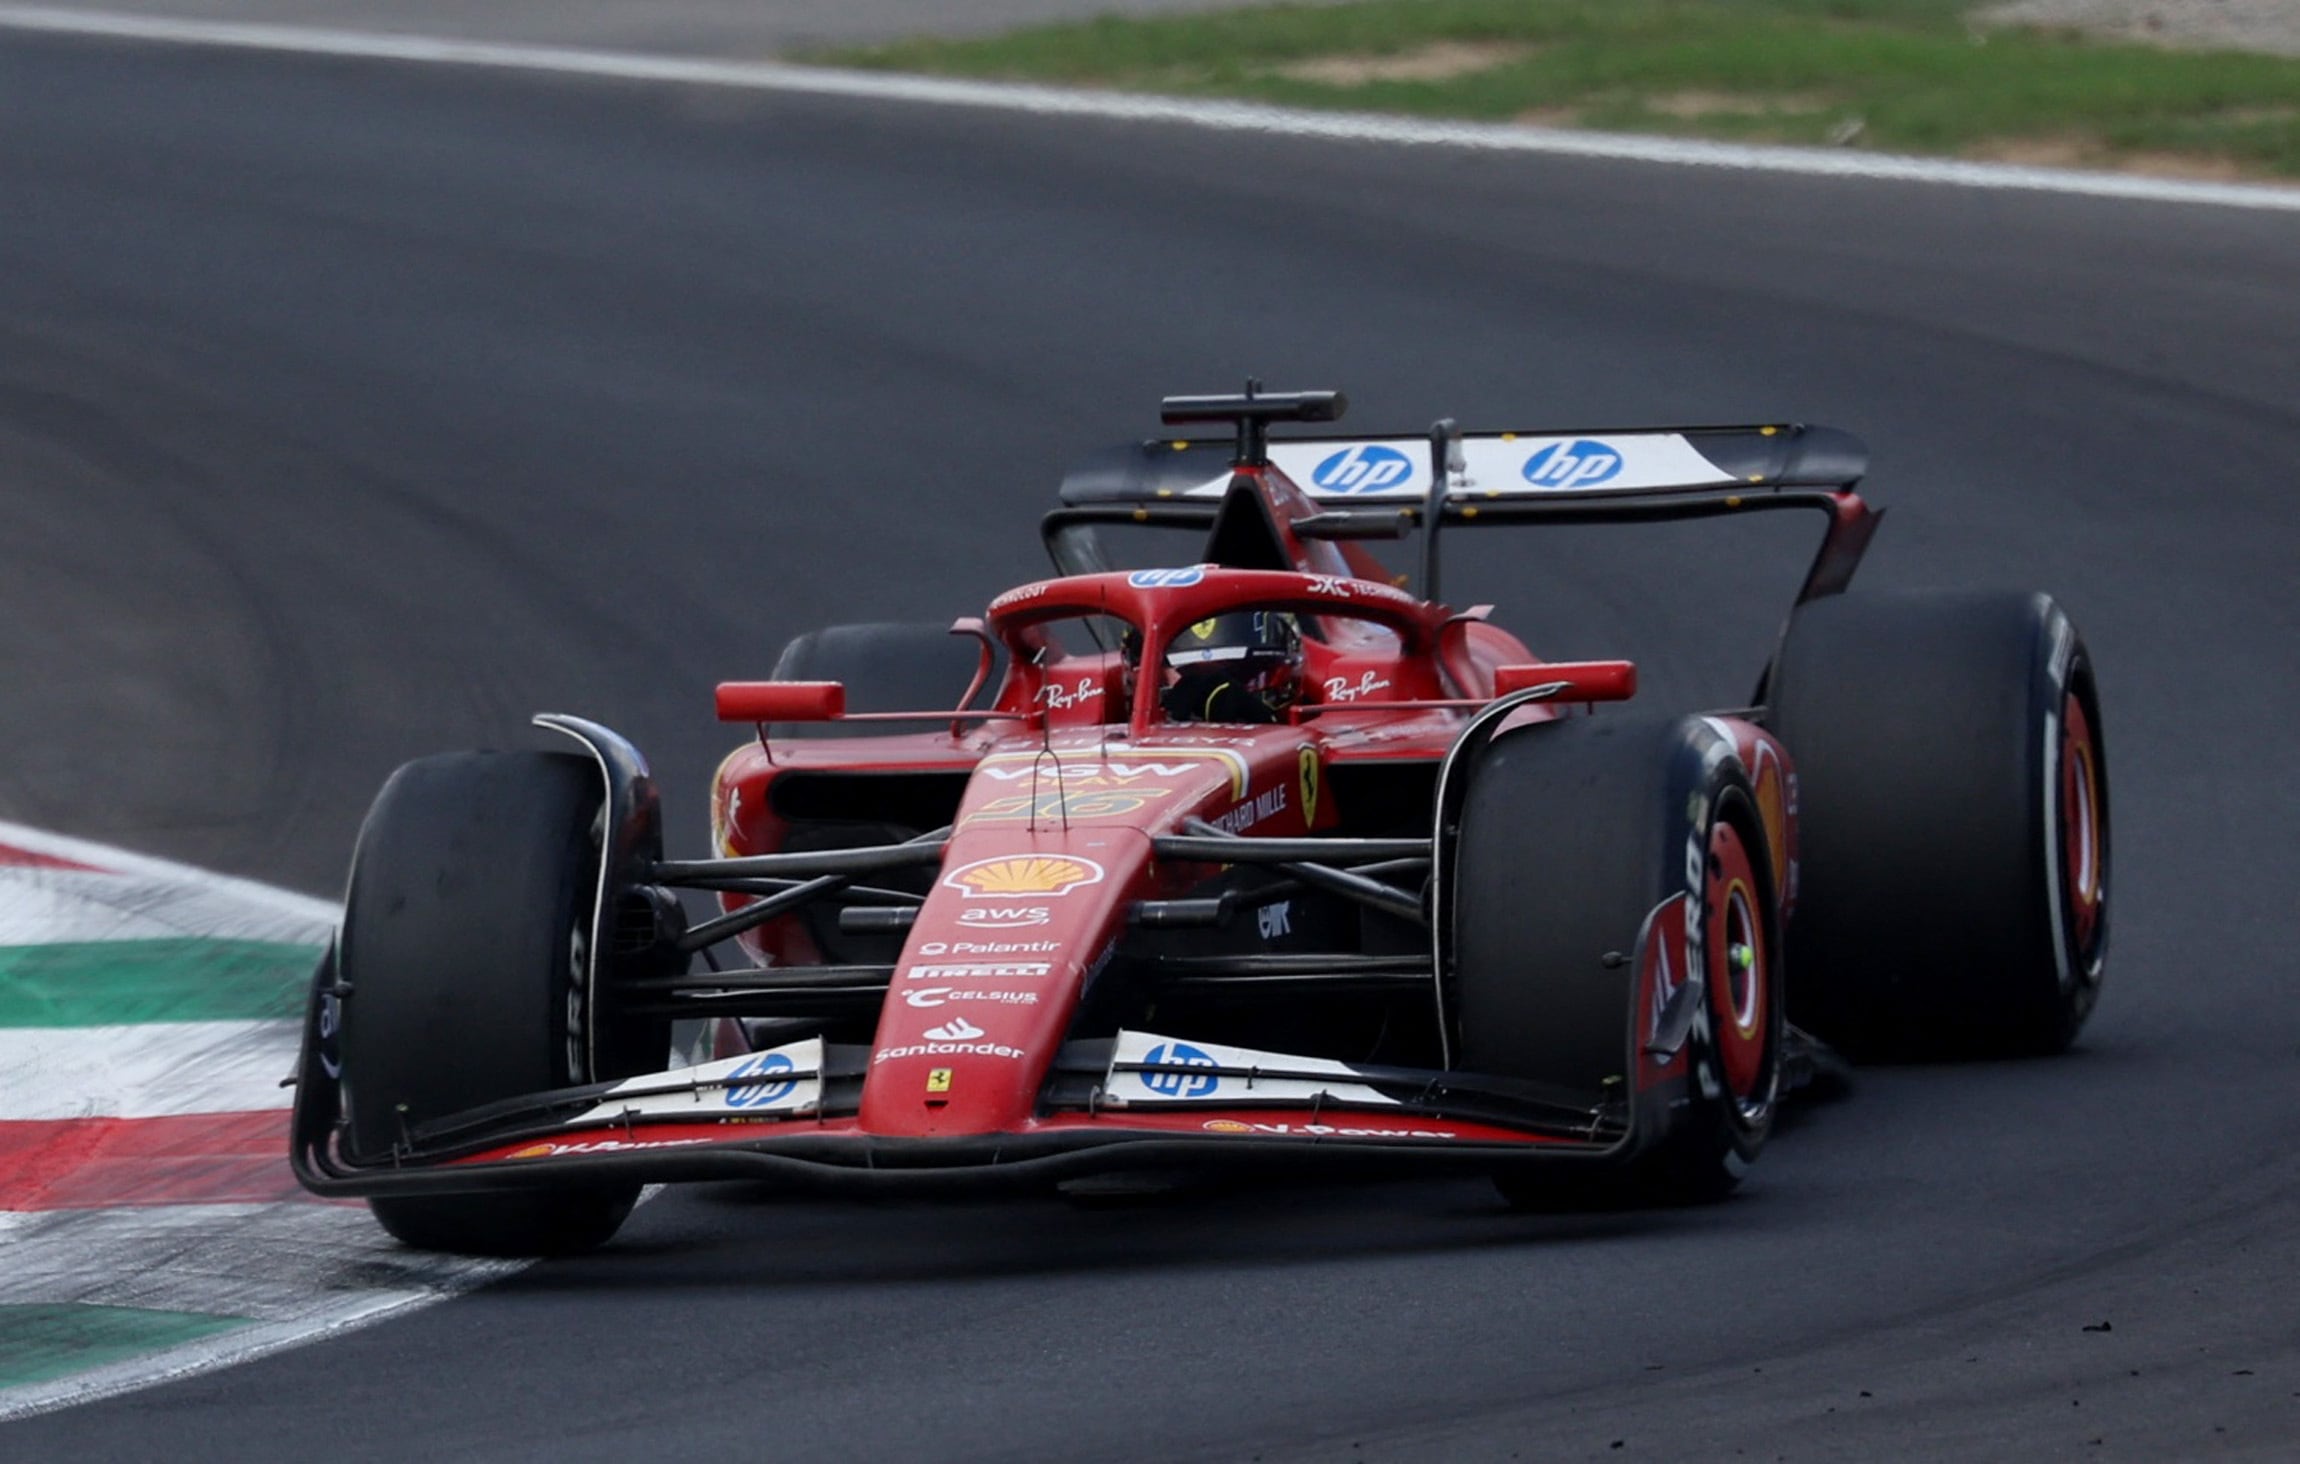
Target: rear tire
466,930
1571,835
1953,832
886,667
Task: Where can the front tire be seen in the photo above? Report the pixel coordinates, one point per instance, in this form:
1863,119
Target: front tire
464,946
1573,833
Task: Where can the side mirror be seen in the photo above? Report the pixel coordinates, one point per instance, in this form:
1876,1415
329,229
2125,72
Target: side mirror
782,701
1576,681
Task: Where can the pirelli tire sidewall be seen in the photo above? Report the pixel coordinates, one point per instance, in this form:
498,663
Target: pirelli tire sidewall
1954,896
461,958
1573,839
1703,1128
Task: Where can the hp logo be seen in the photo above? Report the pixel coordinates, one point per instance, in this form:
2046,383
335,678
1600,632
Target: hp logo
1366,468
1180,1085
1582,464
759,1095
1165,579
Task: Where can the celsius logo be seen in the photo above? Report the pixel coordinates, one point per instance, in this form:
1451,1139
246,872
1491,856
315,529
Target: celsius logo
759,1095
1366,468
934,996
1180,1085
1582,464
1165,579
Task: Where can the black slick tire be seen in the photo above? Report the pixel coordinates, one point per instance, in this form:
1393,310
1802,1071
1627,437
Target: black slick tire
1571,835
465,926
1953,792
886,667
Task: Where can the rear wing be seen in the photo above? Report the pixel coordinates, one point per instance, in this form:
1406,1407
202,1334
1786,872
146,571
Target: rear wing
1367,487
1353,471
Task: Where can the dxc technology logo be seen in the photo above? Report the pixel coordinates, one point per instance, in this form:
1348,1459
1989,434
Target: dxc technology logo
1582,464
1180,1085
1365,468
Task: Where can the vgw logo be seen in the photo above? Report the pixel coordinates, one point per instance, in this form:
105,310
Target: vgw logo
1180,1085
759,1095
1366,468
1582,464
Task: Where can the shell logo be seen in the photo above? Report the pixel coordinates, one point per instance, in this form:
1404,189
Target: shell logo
1023,874
1227,1126
534,1151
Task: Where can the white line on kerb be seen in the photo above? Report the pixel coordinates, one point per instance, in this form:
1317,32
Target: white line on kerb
189,1359
300,1271
1058,101
146,1070
320,915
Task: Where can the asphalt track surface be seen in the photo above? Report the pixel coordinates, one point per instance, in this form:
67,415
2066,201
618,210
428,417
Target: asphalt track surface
351,411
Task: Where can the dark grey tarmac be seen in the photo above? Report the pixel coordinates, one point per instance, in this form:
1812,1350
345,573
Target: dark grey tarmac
350,412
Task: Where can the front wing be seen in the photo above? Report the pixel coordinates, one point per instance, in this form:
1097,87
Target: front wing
788,1114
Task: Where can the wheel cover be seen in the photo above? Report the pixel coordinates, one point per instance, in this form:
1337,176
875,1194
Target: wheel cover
2083,871
1738,962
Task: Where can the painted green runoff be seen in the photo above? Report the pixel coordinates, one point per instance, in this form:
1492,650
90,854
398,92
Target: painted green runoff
40,1342
1893,75
103,982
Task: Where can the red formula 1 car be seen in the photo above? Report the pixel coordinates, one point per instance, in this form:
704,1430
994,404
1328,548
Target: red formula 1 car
1265,859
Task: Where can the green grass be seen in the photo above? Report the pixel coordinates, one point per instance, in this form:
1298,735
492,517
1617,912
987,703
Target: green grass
1893,75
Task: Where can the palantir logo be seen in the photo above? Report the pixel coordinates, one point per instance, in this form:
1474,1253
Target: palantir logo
1180,1085
1366,468
1581,464
759,1095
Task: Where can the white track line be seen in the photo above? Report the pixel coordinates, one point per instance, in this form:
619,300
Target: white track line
301,1273
151,1070
1057,101
54,906
311,920
230,1349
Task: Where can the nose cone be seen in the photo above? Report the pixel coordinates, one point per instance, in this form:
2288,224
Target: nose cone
991,977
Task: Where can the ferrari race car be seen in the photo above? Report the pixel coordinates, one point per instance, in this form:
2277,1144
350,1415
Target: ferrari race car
1269,859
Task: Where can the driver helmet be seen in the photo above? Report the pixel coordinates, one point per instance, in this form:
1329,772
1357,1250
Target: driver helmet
1245,666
